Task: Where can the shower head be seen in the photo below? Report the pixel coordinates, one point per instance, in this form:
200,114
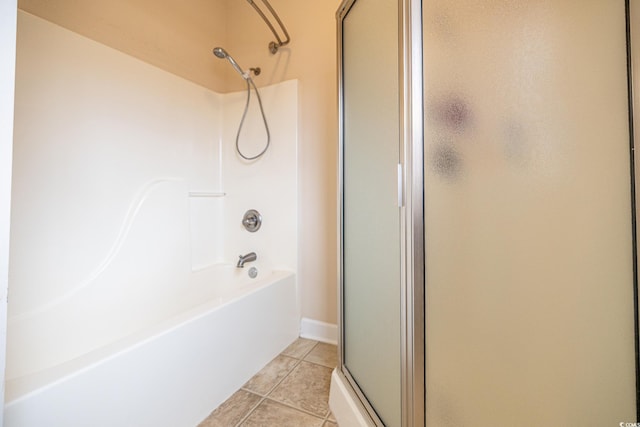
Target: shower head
222,54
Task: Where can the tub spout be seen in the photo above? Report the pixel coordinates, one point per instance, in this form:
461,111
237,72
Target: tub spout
251,256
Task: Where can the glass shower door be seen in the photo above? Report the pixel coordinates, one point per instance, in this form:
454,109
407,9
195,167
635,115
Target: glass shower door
371,265
528,209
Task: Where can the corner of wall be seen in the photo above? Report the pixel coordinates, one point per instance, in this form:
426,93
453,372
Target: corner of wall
319,331
8,18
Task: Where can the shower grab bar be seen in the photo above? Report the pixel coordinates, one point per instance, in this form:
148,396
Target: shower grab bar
273,46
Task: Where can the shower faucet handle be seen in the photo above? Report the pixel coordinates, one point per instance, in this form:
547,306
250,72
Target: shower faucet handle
252,220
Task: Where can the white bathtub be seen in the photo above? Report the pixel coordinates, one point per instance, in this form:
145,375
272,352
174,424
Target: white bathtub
173,371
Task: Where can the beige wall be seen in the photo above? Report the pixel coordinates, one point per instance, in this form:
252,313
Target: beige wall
173,35
178,36
310,58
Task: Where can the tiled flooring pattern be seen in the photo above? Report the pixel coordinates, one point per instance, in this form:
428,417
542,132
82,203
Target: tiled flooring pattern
291,391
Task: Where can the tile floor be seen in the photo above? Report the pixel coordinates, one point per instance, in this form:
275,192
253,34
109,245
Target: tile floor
291,391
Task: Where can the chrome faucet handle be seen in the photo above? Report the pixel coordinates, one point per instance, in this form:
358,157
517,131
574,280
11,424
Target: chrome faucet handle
252,220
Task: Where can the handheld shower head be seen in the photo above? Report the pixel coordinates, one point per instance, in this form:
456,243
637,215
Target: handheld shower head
222,54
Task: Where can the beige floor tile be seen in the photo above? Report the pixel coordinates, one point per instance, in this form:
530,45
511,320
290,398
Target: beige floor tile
331,417
323,354
306,387
232,410
262,382
329,424
299,348
274,414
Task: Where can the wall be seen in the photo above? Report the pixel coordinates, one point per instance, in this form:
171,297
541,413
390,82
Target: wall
8,11
310,58
169,35
93,133
179,39
266,184
106,148
110,154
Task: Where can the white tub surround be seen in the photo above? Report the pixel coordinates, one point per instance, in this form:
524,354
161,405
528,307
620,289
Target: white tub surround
127,207
172,373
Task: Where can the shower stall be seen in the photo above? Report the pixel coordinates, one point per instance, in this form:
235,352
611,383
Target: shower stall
488,220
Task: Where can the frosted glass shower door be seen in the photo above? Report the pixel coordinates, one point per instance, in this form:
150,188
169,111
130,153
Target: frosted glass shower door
528,216
371,262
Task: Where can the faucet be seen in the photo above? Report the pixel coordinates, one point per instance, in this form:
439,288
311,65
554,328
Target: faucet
251,256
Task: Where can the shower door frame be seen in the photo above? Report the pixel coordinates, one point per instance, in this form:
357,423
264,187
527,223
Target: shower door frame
412,224
632,10
411,216
632,24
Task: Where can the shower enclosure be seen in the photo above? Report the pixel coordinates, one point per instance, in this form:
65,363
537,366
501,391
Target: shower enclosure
488,250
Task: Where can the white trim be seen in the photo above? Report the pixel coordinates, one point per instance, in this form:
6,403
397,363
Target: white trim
319,331
343,405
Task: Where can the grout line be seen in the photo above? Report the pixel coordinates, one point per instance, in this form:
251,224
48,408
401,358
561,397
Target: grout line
283,378
305,354
319,364
298,361
310,350
304,411
249,412
265,396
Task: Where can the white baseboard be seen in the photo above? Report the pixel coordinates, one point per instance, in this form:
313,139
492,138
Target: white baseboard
319,331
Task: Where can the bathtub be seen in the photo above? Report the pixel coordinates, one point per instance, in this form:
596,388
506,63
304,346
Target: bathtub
171,372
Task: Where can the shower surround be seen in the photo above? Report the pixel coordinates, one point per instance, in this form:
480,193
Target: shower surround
126,186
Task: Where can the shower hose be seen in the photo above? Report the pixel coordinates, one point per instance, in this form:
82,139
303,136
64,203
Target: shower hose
244,115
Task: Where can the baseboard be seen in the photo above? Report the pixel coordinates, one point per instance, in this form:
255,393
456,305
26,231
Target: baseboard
319,331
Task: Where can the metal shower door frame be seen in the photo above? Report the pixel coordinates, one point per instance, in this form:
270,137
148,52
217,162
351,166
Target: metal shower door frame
413,377
411,218
632,14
